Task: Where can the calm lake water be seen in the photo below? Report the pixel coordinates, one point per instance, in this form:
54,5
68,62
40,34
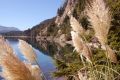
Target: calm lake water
46,62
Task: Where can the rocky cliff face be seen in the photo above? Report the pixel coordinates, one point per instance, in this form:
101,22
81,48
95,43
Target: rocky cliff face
41,31
67,11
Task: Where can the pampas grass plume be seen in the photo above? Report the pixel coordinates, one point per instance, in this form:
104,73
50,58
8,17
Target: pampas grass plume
87,53
4,46
12,67
77,41
80,47
27,51
35,71
76,26
111,55
100,18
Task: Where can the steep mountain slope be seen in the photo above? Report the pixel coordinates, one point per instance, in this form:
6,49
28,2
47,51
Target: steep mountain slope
40,29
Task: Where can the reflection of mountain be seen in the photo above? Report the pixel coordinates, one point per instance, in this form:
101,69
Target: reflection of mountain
4,29
13,33
49,48
52,49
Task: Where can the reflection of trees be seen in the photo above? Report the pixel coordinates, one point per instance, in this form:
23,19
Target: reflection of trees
48,48
66,61
52,49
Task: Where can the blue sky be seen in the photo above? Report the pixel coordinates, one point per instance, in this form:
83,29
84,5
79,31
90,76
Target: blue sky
24,14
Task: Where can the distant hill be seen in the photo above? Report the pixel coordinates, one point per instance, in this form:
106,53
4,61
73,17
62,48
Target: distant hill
4,29
13,33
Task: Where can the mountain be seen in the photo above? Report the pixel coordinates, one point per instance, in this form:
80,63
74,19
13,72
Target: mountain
58,28
4,29
42,27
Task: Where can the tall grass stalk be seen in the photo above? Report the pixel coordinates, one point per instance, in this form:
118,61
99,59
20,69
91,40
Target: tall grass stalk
77,34
79,43
80,47
100,17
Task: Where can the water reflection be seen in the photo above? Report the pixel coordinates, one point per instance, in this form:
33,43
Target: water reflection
52,49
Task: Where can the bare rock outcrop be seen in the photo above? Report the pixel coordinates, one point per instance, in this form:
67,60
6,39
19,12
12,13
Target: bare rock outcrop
67,12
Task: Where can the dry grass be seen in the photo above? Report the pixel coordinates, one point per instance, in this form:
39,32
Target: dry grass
12,67
77,42
5,46
87,53
100,18
27,51
31,56
76,26
80,46
35,71
111,54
